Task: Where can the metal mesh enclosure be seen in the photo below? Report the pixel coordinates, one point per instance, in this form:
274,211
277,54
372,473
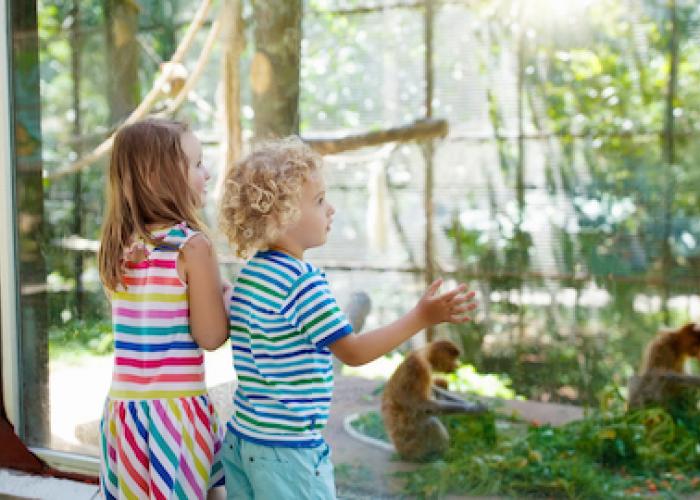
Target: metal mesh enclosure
558,191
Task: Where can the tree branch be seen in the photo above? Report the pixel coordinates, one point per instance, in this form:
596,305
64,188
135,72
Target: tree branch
420,130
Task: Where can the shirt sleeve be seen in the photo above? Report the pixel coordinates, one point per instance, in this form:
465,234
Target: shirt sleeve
312,309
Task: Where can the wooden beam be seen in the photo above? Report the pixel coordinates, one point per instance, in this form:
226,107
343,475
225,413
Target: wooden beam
420,130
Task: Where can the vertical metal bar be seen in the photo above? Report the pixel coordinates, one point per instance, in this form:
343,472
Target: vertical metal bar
520,173
75,42
668,152
428,152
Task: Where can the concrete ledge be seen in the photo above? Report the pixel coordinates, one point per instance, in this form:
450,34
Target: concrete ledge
20,485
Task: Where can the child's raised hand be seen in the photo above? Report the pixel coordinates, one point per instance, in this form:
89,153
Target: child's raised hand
452,306
137,252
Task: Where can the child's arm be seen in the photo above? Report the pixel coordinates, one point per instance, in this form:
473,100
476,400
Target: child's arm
208,316
432,309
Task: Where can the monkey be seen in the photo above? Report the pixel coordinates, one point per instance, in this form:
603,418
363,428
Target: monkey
176,78
411,404
357,309
661,376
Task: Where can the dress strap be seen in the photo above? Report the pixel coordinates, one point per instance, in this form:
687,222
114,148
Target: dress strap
178,235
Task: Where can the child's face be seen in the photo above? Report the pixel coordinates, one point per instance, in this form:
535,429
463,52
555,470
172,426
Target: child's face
311,230
197,174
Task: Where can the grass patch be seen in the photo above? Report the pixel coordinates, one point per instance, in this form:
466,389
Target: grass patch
371,424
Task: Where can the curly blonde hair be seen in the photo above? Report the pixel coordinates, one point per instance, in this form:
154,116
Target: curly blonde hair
262,193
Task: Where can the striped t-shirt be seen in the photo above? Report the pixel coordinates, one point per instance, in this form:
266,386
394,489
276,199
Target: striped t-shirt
154,354
283,318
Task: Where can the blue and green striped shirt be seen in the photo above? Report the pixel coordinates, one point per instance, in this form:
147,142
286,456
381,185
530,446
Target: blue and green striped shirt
283,317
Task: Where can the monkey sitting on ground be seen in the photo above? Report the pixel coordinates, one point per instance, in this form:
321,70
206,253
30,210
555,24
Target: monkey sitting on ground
661,377
409,406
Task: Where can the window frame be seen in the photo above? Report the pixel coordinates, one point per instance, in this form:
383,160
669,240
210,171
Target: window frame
8,276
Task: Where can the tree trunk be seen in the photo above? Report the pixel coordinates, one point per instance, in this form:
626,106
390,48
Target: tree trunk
123,60
275,67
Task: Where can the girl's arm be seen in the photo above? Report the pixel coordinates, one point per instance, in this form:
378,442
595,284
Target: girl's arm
208,316
355,350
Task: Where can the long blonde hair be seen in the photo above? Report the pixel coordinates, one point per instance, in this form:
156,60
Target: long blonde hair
147,185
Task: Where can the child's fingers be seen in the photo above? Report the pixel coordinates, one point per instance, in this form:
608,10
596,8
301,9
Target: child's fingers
467,304
460,299
457,318
434,287
449,296
463,308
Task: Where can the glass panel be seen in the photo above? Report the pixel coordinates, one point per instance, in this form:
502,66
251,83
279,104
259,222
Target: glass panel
81,68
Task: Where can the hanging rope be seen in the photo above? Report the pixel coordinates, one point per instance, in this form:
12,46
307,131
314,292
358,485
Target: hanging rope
148,101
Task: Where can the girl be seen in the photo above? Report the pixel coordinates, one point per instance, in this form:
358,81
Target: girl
285,324
160,437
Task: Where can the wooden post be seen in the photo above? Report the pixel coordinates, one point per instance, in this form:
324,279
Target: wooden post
233,46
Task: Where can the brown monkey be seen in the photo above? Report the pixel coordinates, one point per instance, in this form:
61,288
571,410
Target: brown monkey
409,408
177,76
661,376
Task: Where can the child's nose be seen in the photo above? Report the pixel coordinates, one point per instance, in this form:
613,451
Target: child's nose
331,209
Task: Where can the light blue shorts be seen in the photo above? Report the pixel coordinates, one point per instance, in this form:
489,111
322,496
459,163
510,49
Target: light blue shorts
255,471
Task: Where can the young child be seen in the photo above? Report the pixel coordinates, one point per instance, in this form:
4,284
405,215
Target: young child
160,437
285,324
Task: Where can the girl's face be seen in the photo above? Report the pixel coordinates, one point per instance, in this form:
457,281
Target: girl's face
197,174
311,230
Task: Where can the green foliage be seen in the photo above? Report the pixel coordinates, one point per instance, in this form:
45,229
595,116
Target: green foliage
77,337
370,424
61,38
339,79
597,90
467,380
608,454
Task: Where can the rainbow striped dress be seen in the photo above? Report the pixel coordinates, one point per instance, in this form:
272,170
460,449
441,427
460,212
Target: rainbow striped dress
160,437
